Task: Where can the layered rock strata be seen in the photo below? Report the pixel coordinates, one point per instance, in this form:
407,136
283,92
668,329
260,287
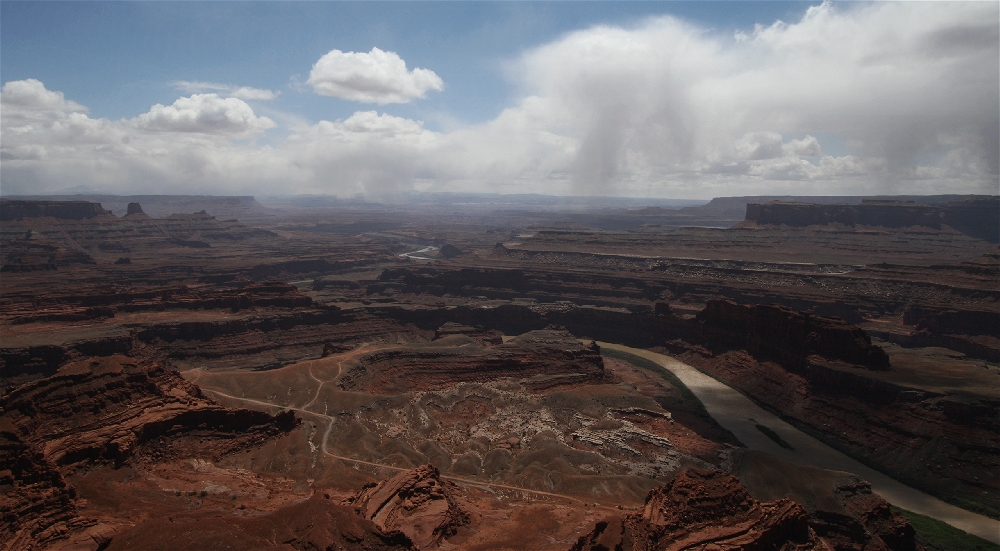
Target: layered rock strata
541,359
843,510
418,503
37,506
103,411
701,508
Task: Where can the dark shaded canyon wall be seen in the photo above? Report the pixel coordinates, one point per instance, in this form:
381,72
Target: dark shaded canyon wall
786,336
976,217
953,321
642,329
768,331
893,215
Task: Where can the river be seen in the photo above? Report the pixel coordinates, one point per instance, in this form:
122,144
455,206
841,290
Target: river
740,415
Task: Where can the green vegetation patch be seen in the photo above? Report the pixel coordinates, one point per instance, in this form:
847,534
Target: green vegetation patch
938,536
773,436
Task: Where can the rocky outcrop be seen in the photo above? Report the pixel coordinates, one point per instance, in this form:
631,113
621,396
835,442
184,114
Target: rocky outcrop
704,508
784,335
105,409
37,507
19,365
67,210
542,359
875,514
417,503
843,510
102,411
983,347
135,212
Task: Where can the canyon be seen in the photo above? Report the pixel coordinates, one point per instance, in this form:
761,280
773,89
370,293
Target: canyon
295,378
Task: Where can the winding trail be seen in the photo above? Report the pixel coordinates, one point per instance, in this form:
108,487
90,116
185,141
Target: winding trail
740,415
329,427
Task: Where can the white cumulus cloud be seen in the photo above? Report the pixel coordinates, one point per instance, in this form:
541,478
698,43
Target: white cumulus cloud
374,77
204,113
22,100
226,90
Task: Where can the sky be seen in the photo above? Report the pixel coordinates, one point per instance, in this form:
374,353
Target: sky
683,100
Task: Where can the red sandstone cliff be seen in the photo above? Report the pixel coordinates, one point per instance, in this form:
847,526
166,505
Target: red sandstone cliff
102,411
699,508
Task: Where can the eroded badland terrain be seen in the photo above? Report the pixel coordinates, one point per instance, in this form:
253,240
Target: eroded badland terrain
214,373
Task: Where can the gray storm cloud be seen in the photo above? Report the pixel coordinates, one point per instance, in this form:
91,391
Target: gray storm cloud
899,81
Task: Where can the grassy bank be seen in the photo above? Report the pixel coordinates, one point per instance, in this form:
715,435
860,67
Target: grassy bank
938,536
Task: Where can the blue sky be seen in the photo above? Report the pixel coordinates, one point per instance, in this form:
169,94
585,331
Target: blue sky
666,99
118,58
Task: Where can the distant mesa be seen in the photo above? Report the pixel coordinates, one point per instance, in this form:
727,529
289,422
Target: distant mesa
160,206
977,217
123,260
66,210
